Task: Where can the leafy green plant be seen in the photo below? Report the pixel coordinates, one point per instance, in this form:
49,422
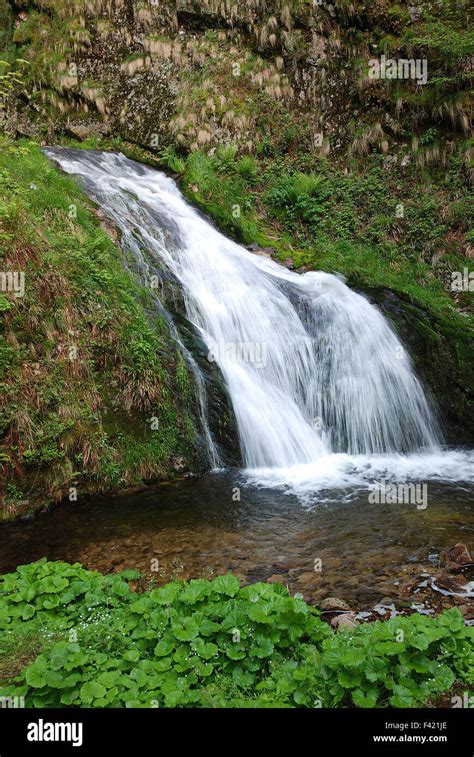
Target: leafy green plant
212,643
248,168
10,76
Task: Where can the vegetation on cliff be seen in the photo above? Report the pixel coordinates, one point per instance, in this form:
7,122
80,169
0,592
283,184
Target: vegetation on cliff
72,637
85,364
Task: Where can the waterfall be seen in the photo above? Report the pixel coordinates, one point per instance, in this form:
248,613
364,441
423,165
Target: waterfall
313,369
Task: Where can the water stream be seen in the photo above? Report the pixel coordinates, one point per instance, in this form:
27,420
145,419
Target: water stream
322,388
328,407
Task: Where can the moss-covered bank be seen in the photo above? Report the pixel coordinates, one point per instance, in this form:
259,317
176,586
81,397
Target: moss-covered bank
95,395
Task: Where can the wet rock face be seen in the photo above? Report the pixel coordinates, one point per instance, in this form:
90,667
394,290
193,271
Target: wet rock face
221,418
107,83
222,422
129,66
442,359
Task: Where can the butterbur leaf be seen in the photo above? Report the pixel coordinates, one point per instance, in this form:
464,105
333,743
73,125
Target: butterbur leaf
141,606
131,655
66,597
203,669
69,697
53,584
187,630
130,574
227,585
363,698
109,678
194,591
260,612
28,612
242,678
235,651
452,619
51,602
301,697
59,655
388,647
205,650
54,679
34,674
349,679
264,649
165,595
92,690
72,680
207,628
164,648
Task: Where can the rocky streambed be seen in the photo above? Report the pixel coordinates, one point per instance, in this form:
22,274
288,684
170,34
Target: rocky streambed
357,561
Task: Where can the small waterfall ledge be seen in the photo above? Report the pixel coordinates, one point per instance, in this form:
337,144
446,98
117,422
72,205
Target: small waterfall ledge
321,386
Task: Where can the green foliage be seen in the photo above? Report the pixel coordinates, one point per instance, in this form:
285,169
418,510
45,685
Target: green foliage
126,363
171,160
443,40
403,662
298,196
212,643
248,168
10,77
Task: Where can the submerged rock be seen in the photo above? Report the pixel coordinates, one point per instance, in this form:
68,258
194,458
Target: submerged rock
456,556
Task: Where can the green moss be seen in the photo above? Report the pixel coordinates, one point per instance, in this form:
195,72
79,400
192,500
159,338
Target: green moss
81,365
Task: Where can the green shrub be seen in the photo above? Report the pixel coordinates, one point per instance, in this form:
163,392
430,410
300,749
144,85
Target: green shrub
298,195
247,167
212,643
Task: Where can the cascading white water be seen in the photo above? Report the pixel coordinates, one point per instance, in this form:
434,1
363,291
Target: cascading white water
312,368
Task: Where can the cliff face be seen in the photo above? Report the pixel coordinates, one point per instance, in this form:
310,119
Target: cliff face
212,72
282,121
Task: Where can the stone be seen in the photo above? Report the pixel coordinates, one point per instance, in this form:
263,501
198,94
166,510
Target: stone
344,622
405,161
333,603
263,252
414,13
445,582
456,556
277,578
389,162
79,131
